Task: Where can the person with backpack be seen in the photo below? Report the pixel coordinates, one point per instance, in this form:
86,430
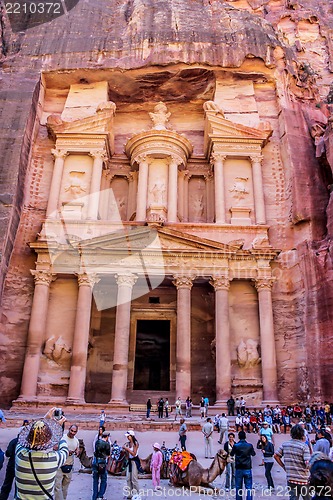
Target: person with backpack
102,452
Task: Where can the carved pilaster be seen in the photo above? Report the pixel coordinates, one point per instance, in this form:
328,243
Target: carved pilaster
264,283
43,277
59,153
98,154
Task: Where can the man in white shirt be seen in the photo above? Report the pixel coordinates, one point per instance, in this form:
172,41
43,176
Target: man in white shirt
64,473
207,431
224,426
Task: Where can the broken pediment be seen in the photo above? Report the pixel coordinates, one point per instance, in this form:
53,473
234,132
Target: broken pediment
219,130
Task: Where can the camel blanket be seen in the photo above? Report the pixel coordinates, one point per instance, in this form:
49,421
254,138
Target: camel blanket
181,459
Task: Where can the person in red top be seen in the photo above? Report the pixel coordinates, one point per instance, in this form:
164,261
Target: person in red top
297,411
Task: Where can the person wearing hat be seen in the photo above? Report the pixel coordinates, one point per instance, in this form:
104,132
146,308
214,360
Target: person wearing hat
37,461
132,447
155,465
102,452
64,474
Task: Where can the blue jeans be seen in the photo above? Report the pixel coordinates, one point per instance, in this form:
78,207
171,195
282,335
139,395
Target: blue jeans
246,475
230,476
98,493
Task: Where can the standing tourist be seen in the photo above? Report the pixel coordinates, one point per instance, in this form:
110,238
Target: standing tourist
102,418
202,408
224,426
206,401
188,407
166,408
36,461
207,431
182,434
10,470
296,455
267,449
148,404
243,451
230,467
231,406
132,447
160,407
65,472
178,408
102,452
322,444
242,404
155,465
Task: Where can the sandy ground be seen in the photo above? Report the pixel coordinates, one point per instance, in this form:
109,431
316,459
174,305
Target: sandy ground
81,485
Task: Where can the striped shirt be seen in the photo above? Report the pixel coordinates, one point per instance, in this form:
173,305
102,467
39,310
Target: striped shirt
296,455
45,464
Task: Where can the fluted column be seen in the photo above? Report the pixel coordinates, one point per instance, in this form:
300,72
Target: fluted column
267,340
141,199
104,197
218,161
181,196
52,211
209,197
221,286
122,333
95,184
77,380
172,190
183,346
36,333
258,191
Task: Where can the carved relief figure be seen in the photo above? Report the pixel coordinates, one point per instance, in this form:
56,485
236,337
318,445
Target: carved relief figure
160,117
158,193
57,350
247,353
212,106
239,188
76,185
197,206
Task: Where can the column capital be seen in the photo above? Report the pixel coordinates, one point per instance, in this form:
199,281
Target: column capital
209,176
143,158
85,279
181,281
215,157
99,154
59,153
264,283
220,282
43,277
187,175
256,158
175,160
128,279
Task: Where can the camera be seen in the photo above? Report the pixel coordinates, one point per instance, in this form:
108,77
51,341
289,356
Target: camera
57,413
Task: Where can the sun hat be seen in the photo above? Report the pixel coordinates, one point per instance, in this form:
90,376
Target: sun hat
41,434
129,433
157,445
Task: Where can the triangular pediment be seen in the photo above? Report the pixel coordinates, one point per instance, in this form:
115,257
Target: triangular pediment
219,129
150,238
98,123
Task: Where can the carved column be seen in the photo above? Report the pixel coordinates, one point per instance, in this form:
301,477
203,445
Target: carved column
36,333
218,161
121,342
221,286
95,184
209,197
258,191
104,197
173,190
141,200
78,371
181,196
187,177
183,347
52,205
132,190
267,340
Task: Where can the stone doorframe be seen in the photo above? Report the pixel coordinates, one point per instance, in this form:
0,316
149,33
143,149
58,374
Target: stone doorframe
145,313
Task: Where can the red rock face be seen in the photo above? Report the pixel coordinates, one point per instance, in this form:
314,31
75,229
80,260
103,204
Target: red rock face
285,48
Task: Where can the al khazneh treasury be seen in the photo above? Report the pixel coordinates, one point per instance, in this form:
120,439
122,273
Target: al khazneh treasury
166,206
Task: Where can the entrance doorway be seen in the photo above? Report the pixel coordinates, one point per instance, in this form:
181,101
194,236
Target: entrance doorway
152,355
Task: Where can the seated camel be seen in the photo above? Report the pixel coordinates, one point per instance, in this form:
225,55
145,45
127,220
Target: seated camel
195,476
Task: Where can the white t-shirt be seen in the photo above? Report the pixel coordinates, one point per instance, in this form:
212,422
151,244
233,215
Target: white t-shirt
73,444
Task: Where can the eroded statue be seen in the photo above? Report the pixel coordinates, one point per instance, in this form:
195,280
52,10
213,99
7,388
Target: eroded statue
247,353
57,350
160,116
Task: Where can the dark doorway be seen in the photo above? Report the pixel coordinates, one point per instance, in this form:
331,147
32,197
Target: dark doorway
152,355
